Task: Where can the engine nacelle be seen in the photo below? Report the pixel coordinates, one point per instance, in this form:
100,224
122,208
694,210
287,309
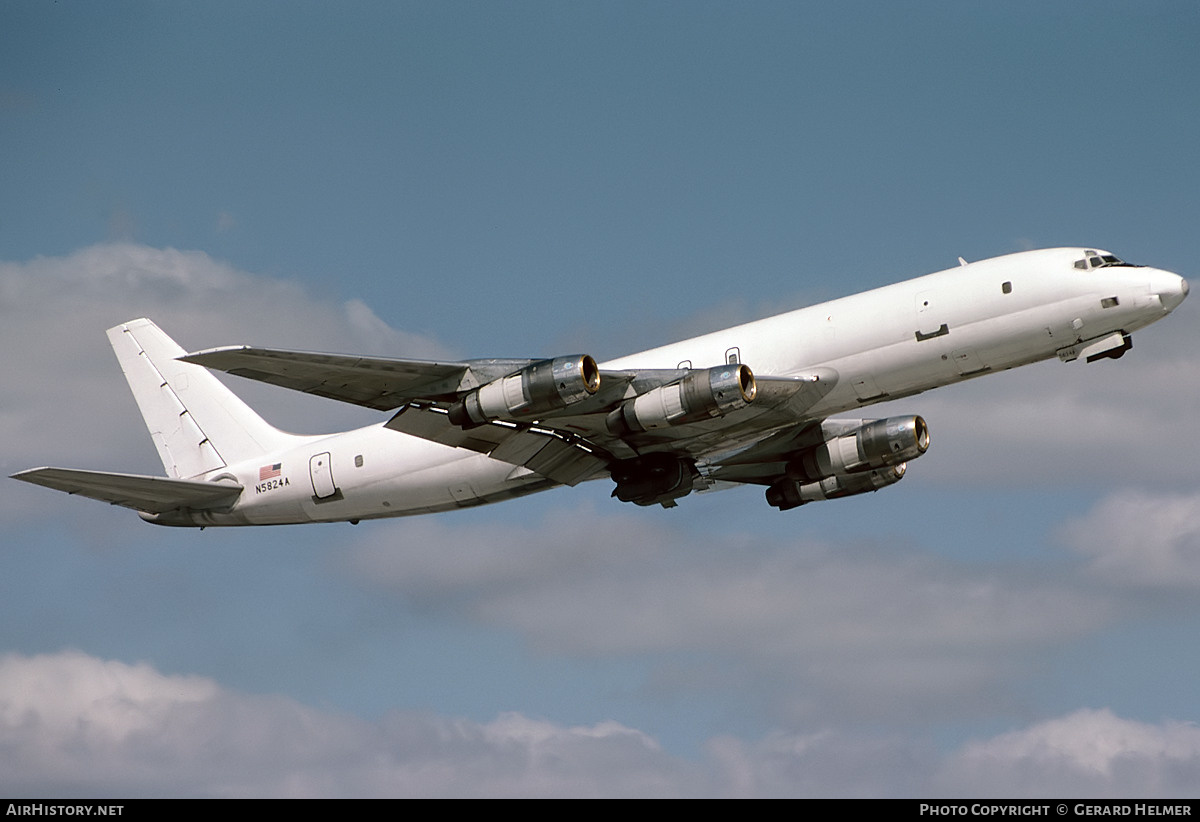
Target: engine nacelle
703,393
787,493
876,444
653,479
544,386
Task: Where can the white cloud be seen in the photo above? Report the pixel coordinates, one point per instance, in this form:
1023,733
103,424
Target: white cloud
1087,753
822,764
65,401
1142,539
1090,753
75,725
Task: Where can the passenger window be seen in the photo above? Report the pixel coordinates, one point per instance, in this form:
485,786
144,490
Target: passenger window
1007,287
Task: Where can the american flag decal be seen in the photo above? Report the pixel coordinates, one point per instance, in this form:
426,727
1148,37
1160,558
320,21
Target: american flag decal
269,471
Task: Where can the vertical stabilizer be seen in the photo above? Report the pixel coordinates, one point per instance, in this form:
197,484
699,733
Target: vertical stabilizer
197,423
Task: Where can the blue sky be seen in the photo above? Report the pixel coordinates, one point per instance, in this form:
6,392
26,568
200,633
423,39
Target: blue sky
472,179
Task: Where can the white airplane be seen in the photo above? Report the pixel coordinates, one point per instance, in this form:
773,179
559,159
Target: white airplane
661,423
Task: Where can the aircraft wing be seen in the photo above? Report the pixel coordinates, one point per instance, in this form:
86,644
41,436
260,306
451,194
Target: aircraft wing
374,382
155,495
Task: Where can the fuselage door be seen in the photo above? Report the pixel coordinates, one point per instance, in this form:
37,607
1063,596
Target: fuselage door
321,472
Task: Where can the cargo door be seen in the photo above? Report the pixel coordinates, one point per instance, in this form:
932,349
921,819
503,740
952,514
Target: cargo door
321,472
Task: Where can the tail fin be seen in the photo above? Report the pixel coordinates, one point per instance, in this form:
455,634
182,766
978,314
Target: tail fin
197,423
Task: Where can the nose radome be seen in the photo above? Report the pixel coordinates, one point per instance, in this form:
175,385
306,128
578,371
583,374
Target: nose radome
1170,288
1177,294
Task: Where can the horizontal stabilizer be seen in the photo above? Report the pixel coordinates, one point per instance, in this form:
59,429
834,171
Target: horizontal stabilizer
155,495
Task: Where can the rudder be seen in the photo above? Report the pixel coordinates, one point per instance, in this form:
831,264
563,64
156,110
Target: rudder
197,424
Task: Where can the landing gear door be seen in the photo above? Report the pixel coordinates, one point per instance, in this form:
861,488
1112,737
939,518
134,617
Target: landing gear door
321,472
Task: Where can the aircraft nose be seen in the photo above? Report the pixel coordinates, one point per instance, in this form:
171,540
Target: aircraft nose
1170,288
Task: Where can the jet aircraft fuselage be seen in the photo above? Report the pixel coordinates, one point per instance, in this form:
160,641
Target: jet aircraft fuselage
661,423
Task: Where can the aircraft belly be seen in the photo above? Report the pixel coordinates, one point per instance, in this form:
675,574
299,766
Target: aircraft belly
910,367
460,482
363,474
456,483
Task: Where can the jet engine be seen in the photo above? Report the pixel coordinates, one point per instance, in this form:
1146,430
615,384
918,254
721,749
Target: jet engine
653,479
544,386
876,444
786,493
703,393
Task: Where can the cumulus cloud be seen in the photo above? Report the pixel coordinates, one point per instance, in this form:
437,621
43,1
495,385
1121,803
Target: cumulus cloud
1141,539
1086,753
72,724
65,401
804,627
821,763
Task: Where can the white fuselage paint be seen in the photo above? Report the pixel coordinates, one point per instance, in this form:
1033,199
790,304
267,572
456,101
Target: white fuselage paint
972,323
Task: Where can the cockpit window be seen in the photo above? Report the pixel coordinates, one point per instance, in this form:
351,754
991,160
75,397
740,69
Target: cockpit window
1099,259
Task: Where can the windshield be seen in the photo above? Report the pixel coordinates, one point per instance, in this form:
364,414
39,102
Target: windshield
1099,259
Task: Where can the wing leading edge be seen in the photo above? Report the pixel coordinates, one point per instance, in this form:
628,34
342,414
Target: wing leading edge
374,382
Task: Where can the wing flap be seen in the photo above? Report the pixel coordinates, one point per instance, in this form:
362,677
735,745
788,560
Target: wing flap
545,453
154,495
558,455
431,423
